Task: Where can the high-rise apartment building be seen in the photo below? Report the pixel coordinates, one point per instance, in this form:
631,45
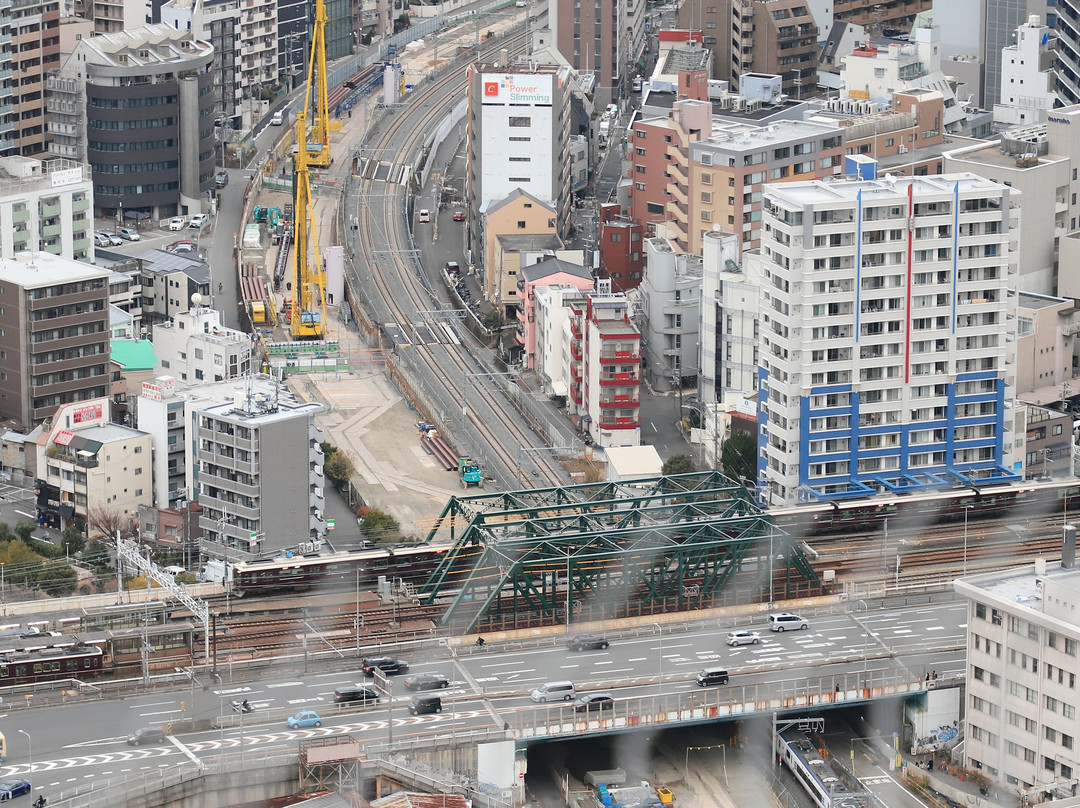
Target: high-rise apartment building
32,53
729,320
1027,76
260,474
45,206
601,38
1068,51
605,368
887,362
758,36
54,335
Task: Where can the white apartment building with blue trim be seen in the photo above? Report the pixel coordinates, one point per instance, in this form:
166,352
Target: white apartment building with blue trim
887,336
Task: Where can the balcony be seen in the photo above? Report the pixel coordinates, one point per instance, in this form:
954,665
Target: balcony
632,422
620,356
620,402
615,379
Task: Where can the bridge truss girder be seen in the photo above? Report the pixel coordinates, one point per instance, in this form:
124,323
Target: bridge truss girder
678,543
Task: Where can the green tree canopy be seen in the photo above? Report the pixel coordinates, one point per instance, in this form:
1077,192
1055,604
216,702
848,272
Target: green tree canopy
678,464
738,458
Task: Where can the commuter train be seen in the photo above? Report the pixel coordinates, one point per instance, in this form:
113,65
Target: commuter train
1019,501
341,570
825,785
74,661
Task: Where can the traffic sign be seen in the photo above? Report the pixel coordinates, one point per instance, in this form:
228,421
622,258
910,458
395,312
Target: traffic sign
329,524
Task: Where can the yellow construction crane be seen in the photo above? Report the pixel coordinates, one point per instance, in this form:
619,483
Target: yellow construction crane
321,125
307,315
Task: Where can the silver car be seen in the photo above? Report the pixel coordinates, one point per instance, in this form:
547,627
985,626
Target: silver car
736,638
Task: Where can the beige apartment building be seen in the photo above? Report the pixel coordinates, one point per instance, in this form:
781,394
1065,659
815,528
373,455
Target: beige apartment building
519,214
85,460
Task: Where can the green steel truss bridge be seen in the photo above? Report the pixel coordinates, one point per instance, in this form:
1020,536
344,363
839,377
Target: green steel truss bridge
660,544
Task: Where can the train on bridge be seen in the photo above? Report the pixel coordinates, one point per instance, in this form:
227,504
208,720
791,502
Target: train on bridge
1018,502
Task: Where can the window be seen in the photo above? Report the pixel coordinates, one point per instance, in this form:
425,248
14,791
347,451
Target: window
523,121
521,224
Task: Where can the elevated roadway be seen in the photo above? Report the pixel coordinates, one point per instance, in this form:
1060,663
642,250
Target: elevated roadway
650,670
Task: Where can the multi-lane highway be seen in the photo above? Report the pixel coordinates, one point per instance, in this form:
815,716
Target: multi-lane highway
489,689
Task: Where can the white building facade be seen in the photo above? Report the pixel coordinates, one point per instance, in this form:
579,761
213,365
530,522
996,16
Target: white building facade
729,318
195,347
1027,76
669,313
888,336
1021,685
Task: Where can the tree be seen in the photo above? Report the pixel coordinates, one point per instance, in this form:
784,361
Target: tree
108,521
378,525
56,578
678,464
338,467
738,458
24,530
73,538
494,320
20,562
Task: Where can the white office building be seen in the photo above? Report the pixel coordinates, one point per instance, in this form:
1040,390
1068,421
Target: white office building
1027,76
887,336
1021,684
729,318
195,347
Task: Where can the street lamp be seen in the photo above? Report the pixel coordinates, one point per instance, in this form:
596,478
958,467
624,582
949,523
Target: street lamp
30,745
660,681
966,509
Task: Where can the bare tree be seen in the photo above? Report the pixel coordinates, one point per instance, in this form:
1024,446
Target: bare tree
108,521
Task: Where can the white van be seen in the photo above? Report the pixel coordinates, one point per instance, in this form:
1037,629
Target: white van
554,691
278,118
786,621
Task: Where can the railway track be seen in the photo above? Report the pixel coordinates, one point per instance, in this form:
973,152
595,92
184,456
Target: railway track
458,372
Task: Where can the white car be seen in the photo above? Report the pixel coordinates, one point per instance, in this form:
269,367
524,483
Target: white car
177,223
129,234
114,239
198,220
425,216
736,638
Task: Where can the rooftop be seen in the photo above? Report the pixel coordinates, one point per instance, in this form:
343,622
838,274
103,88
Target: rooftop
160,262
526,242
149,45
553,266
749,137
133,354
813,192
1031,300
34,270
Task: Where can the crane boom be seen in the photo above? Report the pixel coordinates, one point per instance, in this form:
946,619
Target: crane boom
321,124
308,318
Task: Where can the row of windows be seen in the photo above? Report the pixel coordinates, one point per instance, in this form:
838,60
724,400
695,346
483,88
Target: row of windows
116,126
132,103
141,145
122,190
135,168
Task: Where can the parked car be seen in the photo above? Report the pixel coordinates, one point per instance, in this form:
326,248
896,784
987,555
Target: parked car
182,246
114,240
593,702
452,268
735,638
146,735
177,223
361,693
221,179
587,642
102,240
389,665
198,220
426,681
10,789
459,215
425,216
304,718
129,233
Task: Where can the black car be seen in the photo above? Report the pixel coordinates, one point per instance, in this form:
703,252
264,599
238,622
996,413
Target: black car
146,735
360,693
422,705
592,702
386,664
587,642
426,681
